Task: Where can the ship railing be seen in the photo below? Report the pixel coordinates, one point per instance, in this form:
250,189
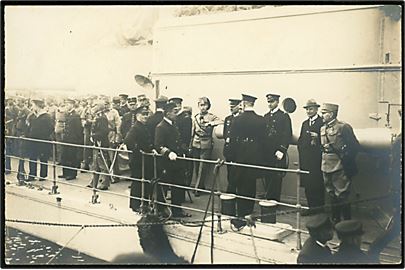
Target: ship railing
54,189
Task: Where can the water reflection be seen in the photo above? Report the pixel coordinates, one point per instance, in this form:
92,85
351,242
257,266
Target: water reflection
22,248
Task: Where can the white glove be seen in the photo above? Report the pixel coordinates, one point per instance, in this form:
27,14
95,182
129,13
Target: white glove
279,155
172,156
155,152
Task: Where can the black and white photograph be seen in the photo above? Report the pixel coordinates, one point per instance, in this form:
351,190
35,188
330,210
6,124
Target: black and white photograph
190,135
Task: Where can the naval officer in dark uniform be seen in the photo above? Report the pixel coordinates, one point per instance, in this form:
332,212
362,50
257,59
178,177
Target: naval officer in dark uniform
168,144
73,133
234,107
139,139
129,119
157,117
246,142
278,138
315,250
310,156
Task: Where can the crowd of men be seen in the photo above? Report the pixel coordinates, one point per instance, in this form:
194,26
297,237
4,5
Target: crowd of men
327,149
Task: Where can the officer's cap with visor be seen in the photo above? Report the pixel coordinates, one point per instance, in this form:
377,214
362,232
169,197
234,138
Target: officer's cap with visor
144,110
176,100
123,96
38,101
116,100
272,97
248,98
349,228
318,222
169,107
234,101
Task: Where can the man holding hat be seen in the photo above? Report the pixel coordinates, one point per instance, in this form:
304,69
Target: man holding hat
350,233
168,144
41,127
73,133
278,138
234,107
246,142
310,156
139,139
129,119
315,250
339,150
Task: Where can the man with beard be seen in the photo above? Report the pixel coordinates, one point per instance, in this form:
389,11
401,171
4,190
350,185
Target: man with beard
234,107
278,138
73,134
310,155
139,139
42,128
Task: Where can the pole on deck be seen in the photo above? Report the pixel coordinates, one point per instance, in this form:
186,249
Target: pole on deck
298,213
54,189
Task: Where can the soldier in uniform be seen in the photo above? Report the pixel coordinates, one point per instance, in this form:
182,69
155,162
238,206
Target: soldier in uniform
350,233
73,133
340,147
22,131
42,128
202,143
60,122
157,117
139,139
87,118
315,250
11,113
101,159
310,156
234,106
129,119
114,137
246,142
124,108
116,104
278,138
168,144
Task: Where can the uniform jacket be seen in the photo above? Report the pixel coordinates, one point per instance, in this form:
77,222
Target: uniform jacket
60,120
99,131
123,110
41,127
336,138
73,132
114,124
349,254
153,121
11,113
247,138
87,117
313,253
227,136
139,138
278,132
128,120
185,125
310,154
21,127
203,125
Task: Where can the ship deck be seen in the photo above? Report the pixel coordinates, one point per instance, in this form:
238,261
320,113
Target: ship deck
373,221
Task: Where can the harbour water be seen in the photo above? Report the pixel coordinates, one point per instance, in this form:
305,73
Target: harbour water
25,249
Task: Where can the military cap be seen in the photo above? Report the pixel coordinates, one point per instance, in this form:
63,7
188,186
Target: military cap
234,102
176,99
271,97
38,101
70,100
161,99
169,106
116,100
132,100
99,107
329,107
123,96
318,222
311,103
142,109
248,98
349,228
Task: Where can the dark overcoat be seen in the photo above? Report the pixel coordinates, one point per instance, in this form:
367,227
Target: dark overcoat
312,253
